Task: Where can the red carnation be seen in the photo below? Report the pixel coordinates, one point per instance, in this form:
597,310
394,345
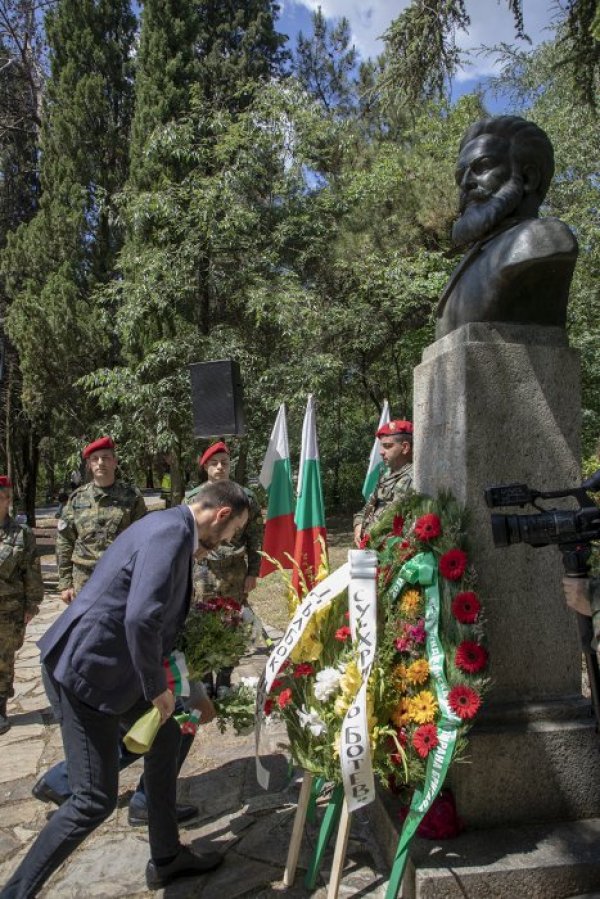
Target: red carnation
425,739
277,683
303,670
464,701
470,657
343,633
284,698
453,564
428,527
397,525
268,706
466,607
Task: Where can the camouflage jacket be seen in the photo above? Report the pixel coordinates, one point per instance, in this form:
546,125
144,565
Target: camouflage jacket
247,544
91,520
20,571
390,487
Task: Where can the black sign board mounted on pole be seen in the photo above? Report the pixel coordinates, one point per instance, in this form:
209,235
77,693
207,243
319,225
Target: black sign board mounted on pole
217,399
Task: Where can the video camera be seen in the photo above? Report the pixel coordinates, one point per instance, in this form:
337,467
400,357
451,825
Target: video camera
572,531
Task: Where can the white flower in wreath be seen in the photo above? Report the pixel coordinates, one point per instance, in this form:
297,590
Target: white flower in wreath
310,719
327,682
250,682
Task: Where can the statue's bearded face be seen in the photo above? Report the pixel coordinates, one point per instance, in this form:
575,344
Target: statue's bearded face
489,188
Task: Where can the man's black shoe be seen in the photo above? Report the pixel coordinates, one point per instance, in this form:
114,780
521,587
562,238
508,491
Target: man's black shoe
138,814
185,864
44,792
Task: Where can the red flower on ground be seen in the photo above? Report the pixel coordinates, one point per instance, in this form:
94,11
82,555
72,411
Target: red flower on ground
470,657
453,564
428,527
466,607
343,633
268,707
397,525
284,698
425,739
464,701
304,669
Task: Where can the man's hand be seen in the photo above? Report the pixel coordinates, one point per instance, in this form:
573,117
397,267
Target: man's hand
357,538
165,703
249,584
577,594
27,617
67,595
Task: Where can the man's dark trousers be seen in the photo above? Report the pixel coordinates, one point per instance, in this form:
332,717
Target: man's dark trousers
91,741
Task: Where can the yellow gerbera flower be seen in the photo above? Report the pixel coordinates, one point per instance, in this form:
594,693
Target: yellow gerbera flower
418,672
401,714
410,603
423,707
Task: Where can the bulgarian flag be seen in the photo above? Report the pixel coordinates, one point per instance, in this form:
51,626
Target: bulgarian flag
311,535
375,463
276,477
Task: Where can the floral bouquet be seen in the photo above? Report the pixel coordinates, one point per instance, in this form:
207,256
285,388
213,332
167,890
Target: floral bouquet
238,708
418,542
215,636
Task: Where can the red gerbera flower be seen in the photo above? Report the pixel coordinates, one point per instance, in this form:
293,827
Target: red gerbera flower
464,701
343,633
268,707
303,670
470,657
397,525
425,739
284,698
428,527
453,564
466,607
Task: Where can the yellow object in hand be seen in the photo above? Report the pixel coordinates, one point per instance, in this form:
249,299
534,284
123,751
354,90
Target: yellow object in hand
140,736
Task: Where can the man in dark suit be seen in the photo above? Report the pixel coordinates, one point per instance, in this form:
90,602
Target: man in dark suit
102,663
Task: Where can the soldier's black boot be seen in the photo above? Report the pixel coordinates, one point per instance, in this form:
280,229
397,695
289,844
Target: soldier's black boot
4,722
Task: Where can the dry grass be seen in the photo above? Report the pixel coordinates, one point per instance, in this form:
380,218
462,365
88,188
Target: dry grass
269,599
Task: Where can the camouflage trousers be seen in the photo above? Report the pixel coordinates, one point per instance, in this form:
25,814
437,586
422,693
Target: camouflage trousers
12,634
220,577
80,577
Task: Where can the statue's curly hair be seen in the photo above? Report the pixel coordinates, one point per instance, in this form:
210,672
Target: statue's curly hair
529,144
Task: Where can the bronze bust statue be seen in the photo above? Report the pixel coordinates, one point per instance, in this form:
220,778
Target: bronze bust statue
518,267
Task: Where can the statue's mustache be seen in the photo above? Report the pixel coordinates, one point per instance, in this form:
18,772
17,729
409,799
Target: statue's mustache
477,195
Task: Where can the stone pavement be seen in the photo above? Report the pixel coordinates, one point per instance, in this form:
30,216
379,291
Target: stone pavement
250,826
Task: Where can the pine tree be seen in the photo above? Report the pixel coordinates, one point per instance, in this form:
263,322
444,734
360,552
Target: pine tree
52,263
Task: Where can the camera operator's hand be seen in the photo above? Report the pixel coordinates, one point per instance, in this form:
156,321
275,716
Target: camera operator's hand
577,594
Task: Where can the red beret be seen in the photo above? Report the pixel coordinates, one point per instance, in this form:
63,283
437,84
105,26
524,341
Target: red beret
394,428
5,481
219,447
100,444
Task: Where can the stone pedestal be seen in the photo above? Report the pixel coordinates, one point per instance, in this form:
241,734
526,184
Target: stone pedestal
495,404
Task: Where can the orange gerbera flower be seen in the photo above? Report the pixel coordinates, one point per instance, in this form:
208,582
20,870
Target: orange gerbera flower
418,672
410,603
401,714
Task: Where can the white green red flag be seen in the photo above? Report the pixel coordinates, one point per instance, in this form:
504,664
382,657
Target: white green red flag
311,535
276,477
375,463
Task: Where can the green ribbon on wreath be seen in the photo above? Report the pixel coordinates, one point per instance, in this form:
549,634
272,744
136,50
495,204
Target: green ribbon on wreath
422,569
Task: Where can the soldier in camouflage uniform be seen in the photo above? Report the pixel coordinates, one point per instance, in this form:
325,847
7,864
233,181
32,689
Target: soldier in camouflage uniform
21,592
395,447
94,515
232,569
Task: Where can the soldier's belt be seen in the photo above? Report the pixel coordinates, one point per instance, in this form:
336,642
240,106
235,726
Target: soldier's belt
84,564
225,563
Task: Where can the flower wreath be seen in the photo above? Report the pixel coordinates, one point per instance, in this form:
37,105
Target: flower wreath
312,693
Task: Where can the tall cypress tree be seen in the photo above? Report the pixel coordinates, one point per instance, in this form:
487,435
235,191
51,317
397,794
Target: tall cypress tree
52,264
